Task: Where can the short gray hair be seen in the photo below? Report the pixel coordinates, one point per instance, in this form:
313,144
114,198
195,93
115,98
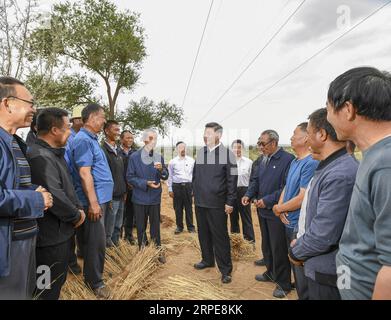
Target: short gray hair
273,135
146,132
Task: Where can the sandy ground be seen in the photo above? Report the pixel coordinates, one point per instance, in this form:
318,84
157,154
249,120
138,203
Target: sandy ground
180,260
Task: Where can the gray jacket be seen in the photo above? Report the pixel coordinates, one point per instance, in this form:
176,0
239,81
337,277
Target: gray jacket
327,208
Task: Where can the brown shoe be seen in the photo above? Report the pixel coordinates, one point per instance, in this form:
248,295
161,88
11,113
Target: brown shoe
102,293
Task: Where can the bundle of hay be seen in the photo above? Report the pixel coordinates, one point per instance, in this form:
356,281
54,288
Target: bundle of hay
117,258
181,288
75,289
166,221
137,273
241,249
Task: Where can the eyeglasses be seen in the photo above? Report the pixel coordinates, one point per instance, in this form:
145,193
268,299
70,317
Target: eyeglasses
32,102
264,144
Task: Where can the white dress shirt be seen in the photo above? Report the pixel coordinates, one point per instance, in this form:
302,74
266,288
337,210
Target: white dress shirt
180,171
303,212
244,171
214,148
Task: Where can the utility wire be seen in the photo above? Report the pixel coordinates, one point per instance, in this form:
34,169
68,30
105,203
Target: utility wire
306,61
251,62
196,57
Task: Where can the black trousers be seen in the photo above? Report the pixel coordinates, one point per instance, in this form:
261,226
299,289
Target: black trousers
143,214
214,239
298,271
56,257
93,241
183,200
275,250
129,216
319,291
245,215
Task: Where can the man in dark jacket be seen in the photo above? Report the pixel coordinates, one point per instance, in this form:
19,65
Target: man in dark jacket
266,188
114,212
145,171
57,227
215,189
21,203
326,209
126,149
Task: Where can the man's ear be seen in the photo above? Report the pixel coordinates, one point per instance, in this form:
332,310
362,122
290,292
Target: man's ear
349,111
323,134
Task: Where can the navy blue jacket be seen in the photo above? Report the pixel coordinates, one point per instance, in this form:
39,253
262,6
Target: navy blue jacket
327,208
14,203
270,181
140,170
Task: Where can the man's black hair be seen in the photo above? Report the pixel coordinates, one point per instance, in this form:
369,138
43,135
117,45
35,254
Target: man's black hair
215,126
238,141
123,133
49,118
303,126
7,86
178,143
319,121
109,124
90,109
368,89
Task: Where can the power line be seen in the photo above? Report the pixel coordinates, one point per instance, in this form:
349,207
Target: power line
306,61
198,51
252,61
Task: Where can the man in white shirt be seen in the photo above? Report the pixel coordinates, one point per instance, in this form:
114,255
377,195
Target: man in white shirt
244,172
180,187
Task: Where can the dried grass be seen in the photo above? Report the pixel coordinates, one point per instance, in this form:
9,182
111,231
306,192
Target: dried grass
75,289
117,258
241,249
166,221
182,288
136,274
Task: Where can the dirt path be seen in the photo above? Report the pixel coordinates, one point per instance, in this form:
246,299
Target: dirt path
182,254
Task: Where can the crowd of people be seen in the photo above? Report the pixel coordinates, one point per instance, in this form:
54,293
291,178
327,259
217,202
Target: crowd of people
324,216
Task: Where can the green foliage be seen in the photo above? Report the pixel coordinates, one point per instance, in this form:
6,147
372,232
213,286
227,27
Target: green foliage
148,114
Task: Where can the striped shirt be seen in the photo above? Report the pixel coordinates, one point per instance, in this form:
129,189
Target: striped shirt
23,228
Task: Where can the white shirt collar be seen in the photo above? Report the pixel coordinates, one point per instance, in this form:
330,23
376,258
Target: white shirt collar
215,147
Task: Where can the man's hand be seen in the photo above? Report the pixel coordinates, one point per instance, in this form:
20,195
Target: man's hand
171,194
296,262
94,212
228,209
47,197
158,166
293,243
260,204
153,184
245,201
283,218
81,220
276,210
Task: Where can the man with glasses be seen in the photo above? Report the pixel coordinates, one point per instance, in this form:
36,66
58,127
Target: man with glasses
265,189
21,202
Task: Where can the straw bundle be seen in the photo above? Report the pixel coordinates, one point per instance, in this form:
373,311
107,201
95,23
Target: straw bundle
166,221
241,249
181,288
117,258
75,289
135,277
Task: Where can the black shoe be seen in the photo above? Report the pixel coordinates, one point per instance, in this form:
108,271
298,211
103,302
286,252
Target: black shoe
202,265
75,269
260,262
226,279
131,241
265,277
192,231
162,259
279,293
178,231
293,285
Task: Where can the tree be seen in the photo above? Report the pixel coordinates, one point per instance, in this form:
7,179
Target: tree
147,114
101,39
16,24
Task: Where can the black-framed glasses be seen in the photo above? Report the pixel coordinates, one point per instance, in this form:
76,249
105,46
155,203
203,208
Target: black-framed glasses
32,102
264,144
